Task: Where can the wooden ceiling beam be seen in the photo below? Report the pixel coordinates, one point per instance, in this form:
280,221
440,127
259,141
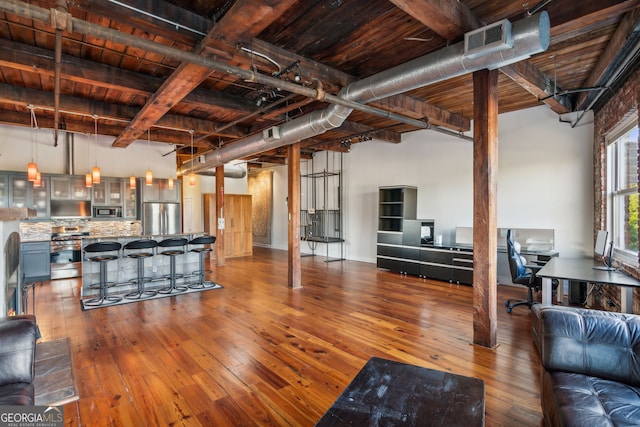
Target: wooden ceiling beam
243,21
163,136
40,61
73,106
618,46
334,80
449,19
454,15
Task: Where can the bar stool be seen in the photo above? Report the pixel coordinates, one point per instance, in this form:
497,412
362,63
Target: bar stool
140,256
103,259
173,242
202,251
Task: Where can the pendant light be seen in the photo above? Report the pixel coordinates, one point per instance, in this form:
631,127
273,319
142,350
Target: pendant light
170,183
95,171
192,176
88,178
32,167
132,182
38,181
148,176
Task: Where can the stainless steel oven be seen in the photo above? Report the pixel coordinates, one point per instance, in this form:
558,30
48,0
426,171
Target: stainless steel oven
66,251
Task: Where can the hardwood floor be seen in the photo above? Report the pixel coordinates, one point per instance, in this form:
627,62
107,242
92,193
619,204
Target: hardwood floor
258,353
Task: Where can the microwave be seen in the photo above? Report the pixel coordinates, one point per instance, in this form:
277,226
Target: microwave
107,212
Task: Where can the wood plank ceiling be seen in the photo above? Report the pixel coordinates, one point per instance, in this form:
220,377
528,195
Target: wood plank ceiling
314,43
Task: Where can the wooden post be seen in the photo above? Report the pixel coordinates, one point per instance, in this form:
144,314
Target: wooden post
485,168
220,220
293,208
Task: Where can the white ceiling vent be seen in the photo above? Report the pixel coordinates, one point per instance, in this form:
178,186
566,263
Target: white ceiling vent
489,39
271,133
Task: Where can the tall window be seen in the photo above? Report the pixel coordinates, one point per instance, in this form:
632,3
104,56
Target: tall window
622,162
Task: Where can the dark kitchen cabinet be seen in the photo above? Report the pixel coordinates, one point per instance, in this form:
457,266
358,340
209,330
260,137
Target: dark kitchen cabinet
35,261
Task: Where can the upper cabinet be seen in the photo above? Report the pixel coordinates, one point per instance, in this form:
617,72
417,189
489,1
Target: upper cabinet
23,194
130,202
4,190
108,192
159,191
69,187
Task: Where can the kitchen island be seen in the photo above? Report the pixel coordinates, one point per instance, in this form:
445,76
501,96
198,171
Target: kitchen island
123,271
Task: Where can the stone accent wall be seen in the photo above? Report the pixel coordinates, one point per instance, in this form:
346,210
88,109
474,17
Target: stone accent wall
624,103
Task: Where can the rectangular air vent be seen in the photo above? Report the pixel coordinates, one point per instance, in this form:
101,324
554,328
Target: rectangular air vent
271,134
488,39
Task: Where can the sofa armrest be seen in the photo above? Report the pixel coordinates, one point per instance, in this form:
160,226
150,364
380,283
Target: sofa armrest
17,349
591,342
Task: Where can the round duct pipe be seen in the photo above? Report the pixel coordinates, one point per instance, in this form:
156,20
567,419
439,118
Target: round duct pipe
229,172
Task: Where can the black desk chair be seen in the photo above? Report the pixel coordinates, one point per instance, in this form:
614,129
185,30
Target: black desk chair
521,273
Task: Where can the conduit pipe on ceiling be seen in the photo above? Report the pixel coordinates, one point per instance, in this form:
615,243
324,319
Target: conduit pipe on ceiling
39,14
530,36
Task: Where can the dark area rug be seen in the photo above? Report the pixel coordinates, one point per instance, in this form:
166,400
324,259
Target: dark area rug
157,296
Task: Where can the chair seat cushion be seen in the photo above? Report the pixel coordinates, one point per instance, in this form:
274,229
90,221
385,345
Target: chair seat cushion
173,252
571,399
16,394
140,255
102,258
201,250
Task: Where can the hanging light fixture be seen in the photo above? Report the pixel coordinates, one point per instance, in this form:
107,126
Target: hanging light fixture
95,171
148,176
170,184
192,176
88,178
132,182
38,181
32,167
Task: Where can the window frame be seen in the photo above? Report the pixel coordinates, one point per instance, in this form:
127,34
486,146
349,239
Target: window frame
613,193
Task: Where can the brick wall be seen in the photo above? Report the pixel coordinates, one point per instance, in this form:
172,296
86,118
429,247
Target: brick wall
624,103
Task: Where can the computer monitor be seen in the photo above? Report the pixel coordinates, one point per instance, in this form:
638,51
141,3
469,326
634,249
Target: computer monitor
601,249
601,243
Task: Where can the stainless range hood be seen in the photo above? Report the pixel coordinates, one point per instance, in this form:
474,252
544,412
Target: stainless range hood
70,209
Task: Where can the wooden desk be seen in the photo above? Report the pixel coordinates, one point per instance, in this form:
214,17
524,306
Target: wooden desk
581,269
396,394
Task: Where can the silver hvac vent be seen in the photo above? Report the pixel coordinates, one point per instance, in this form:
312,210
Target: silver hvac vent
271,134
491,38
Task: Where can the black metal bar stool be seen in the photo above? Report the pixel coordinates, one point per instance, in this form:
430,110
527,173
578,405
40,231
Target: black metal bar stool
103,249
140,256
173,242
204,248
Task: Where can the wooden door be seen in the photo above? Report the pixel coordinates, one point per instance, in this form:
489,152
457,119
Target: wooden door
237,215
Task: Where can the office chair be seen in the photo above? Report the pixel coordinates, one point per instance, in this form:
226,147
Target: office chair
521,273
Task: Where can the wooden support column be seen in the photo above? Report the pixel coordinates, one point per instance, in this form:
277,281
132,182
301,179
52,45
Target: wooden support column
485,169
293,208
220,220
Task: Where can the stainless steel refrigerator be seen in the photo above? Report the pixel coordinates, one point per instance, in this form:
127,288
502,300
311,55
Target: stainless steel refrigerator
161,218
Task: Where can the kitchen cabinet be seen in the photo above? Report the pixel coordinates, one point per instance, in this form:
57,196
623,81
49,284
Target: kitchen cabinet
35,261
69,187
22,194
4,190
159,191
108,192
130,210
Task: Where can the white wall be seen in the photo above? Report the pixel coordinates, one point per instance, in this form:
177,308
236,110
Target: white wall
544,181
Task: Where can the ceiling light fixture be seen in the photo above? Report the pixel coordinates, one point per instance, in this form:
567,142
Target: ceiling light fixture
32,167
192,176
148,176
95,171
132,182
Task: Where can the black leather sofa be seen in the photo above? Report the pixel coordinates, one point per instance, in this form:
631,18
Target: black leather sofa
590,366
17,355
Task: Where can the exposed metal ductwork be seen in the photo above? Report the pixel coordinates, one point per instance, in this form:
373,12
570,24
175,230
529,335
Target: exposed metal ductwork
69,153
229,172
530,36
